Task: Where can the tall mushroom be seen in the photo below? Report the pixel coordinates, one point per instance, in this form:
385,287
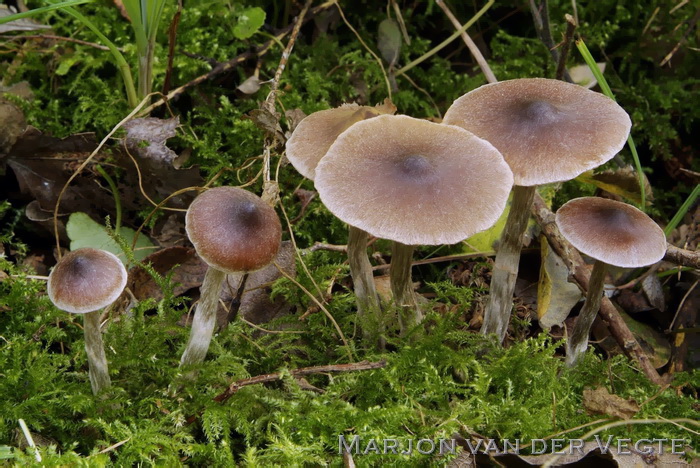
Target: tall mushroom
548,131
83,282
233,231
612,233
305,148
413,182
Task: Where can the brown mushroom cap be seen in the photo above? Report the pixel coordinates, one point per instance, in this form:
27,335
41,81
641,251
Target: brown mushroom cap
547,130
611,231
317,132
233,230
413,181
86,280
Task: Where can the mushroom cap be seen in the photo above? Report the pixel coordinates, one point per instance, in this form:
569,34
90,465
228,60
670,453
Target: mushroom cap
317,132
611,231
547,130
233,230
86,280
414,181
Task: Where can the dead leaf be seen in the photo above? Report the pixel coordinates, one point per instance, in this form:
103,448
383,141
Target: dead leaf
189,272
651,285
623,182
293,116
600,401
556,296
154,133
250,86
632,301
389,40
12,125
256,306
24,24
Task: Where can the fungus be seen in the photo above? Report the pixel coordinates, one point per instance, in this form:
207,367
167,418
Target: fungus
233,231
613,233
548,131
305,148
83,282
416,183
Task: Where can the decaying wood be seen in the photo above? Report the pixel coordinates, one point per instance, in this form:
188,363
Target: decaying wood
581,273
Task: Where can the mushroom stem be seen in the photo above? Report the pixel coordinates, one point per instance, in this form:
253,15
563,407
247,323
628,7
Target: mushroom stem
402,286
204,318
368,309
505,270
97,361
578,343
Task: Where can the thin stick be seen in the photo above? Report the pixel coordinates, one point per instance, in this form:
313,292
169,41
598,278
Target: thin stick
476,53
540,15
565,46
683,257
58,38
270,194
234,62
355,366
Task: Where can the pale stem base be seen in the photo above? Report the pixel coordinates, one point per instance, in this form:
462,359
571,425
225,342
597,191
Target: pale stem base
97,361
577,344
505,270
368,308
410,314
204,319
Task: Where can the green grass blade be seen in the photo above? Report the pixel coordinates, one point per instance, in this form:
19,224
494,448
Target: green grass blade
38,11
682,210
590,61
118,57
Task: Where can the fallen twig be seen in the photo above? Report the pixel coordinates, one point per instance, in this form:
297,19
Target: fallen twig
355,366
682,256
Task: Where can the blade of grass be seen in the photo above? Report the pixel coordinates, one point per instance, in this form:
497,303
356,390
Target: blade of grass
590,61
118,57
682,210
38,11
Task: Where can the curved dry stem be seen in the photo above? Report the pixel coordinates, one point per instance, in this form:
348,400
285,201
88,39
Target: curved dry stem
578,343
505,270
402,286
204,319
97,361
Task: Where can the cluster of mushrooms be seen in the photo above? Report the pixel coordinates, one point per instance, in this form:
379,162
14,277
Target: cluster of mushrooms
412,182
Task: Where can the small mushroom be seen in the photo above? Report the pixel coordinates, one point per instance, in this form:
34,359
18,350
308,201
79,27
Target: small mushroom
83,282
413,182
305,148
548,131
612,233
233,231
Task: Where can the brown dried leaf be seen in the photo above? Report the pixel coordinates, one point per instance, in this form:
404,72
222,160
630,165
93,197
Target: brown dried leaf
155,132
600,401
623,182
12,125
189,272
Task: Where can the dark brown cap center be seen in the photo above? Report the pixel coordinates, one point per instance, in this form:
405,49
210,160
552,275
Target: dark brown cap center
415,168
539,112
246,214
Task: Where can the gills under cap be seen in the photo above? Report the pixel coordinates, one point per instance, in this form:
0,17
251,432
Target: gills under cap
317,132
233,230
413,181
547,130
86,280
611,231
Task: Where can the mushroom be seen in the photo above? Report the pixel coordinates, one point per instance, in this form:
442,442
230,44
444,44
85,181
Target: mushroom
548,131
305,148
233,231
613,233
83,282
413,182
